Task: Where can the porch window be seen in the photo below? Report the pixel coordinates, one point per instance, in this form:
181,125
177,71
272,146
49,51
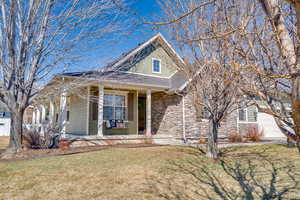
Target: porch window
114,107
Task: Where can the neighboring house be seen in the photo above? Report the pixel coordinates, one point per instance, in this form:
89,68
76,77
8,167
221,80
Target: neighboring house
4,120
134,97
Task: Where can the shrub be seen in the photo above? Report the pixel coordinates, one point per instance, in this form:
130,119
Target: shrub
33,139
254,135
235,137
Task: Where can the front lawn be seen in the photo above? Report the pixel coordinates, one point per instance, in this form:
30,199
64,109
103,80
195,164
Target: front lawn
156,173
3,142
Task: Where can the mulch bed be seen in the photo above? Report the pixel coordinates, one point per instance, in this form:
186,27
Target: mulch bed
39,153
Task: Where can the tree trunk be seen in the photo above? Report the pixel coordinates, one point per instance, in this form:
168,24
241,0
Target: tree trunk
298,143
15,139
212,146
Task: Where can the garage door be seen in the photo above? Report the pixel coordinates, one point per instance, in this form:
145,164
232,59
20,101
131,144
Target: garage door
268,124
4,126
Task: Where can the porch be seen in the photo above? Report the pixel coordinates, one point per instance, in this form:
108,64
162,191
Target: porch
98,112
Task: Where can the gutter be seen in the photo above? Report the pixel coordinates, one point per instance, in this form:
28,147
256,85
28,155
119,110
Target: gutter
183,120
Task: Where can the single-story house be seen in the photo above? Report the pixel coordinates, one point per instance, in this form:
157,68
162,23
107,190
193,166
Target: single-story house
134,98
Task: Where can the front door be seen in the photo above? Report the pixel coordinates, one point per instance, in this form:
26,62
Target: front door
142,114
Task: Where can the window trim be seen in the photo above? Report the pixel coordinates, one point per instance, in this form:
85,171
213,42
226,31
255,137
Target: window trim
120,93
156,59
246,115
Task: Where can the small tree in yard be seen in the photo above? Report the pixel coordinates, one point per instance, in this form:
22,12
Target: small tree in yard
215,90
39,38
205,38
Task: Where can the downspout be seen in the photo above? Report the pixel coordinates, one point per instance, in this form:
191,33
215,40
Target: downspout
183,120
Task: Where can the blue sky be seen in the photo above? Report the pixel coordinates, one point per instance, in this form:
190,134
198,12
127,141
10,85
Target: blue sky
108,52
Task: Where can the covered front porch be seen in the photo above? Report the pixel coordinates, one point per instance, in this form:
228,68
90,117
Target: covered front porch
98,112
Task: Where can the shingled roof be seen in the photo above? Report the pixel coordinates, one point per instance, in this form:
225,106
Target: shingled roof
116,71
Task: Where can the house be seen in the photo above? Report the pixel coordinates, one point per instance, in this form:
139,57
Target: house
133,98
4,120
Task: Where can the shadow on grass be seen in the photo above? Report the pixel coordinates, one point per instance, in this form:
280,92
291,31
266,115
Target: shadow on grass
246,176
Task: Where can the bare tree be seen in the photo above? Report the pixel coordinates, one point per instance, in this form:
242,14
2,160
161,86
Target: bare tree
205,38
282,70
39,38
264,39
215,92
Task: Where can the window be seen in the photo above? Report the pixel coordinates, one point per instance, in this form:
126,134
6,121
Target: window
248,114
68,116
156,68
205,113
114,107
242,114
201,113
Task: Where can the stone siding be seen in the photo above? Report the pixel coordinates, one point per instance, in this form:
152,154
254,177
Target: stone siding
167,118
166,114
197,128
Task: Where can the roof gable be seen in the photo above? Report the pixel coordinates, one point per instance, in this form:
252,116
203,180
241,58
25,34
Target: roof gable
128,60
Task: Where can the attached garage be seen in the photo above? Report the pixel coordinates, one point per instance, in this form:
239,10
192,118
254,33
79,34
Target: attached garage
268,124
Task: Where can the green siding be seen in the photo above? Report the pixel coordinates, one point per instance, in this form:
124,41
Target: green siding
168,66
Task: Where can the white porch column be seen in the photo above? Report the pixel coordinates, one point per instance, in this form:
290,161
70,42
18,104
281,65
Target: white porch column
33,121
38,116
148,114
43,109
100,110
88,109
51,110
63,113
137,112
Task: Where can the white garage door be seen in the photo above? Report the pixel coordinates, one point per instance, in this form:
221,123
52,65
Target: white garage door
268,124
4,126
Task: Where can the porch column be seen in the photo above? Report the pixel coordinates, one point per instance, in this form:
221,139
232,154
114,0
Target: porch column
33,121
63,113
137,111
43,109
38,116
51,110
148,114
88,109
100,110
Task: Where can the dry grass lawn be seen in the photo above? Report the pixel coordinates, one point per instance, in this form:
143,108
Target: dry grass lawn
258,172
3,142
